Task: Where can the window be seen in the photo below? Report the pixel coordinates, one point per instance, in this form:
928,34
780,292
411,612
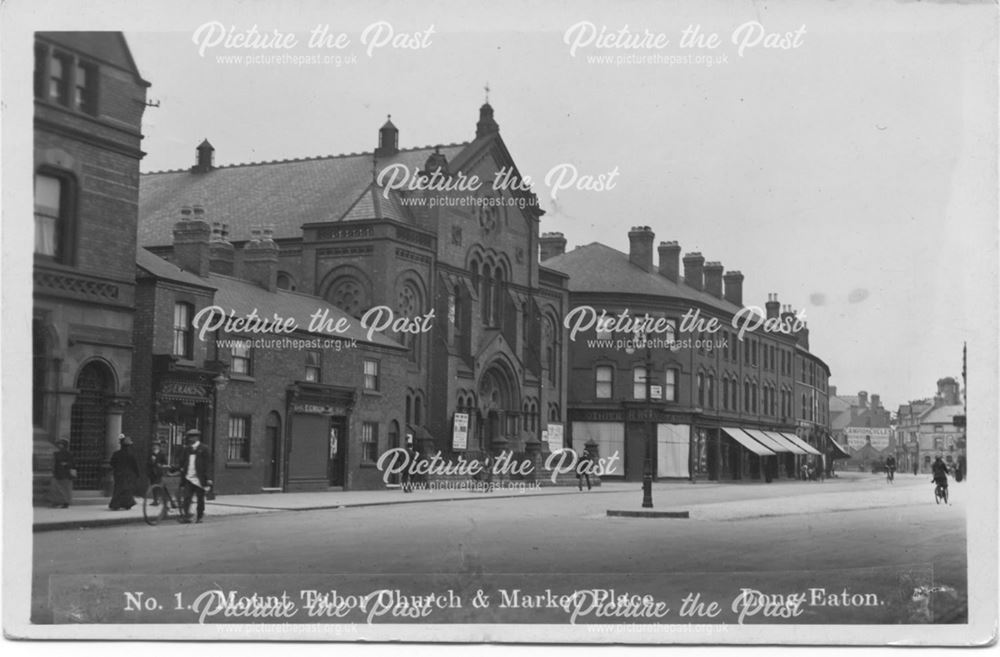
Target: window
313,370
670,385
701,389
639,383
240,358
753,403
711,391
182,330
85,96
756,349
285,282
369,442
725,394
603,376
746,353
238,443
53,209
746,395
725,345
59,68
371,374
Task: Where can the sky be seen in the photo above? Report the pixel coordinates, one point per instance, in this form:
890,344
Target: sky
853,173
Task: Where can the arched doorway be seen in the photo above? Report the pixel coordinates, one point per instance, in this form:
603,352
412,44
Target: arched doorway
499,404
89,423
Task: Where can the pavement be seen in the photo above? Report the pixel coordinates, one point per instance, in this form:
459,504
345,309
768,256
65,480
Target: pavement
93,511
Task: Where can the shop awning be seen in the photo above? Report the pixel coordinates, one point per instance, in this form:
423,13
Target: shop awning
839,452
791,444
772,444
801,443
742,438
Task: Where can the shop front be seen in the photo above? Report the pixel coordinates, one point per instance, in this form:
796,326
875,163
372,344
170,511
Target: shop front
316,451
183,400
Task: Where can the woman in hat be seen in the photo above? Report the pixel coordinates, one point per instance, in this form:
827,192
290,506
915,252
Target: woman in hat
62,475
125,470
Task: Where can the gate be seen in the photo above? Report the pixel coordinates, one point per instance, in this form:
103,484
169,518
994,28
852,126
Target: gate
88,425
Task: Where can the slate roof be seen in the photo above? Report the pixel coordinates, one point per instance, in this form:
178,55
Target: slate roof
599,268
287,193
161,268
942,414
242,297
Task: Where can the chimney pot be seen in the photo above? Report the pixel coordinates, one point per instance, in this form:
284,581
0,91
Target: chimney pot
551,245
191,241
734,287
713,278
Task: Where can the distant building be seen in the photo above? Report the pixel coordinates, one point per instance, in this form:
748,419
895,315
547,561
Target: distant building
89,102
862,427
926,428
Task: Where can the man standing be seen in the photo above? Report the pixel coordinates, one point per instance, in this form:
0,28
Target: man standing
195,467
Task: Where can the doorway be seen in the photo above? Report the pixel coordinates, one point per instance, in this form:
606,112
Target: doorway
272,431
88,424
336,451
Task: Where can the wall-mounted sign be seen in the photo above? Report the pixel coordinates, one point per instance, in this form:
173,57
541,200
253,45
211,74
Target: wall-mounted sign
178,389
460,431
554,435
317,409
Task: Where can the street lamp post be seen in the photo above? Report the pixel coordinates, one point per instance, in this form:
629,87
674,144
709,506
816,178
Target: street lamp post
647,472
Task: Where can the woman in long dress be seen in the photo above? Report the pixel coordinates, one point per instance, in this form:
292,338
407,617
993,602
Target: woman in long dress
125,470
61,492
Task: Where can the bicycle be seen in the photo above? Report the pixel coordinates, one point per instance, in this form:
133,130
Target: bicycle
940,493
153,512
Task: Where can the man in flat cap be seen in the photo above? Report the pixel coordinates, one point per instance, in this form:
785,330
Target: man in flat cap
195,466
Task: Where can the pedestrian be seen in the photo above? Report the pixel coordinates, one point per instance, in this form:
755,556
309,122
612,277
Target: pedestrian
916,467
155,465
125,471
63,473
195,466
583,468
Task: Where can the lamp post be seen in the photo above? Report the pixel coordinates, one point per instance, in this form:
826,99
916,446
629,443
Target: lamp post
647,466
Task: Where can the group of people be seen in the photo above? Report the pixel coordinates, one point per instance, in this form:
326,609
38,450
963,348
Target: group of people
193,464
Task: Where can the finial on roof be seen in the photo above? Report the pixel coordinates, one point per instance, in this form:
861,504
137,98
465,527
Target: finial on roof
487,89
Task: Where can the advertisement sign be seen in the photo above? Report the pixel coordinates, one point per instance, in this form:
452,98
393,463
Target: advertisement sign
460,431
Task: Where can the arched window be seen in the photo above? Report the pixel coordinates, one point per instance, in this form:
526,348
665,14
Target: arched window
285,281
746,395
701,389
408,305
348,294
418,404
409,409
710,392
486,296
498,297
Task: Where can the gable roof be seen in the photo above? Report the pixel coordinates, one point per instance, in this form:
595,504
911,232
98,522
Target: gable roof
161,268
106,47
597,267
942,414
286,194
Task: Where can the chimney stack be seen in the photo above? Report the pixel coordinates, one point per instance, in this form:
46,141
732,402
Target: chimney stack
260,259
670,253
876,402
694,263
191,235
640,249
713,278
552,245
863,399
734,287
222,254
772,306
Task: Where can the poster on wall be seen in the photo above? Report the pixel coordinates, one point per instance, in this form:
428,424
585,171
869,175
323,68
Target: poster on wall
460,432
554,436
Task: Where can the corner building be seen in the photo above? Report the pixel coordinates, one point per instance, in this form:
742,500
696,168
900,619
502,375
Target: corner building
89,100
714,406
464,260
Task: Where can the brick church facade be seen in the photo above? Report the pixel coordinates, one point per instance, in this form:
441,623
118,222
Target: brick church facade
463,263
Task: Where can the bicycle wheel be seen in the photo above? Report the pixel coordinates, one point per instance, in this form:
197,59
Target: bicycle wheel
154,514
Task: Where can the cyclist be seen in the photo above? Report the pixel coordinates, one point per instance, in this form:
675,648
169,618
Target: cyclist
940,471
890,467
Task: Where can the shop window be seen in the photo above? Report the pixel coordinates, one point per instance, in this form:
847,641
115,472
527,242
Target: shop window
238,442
369,442
313,369
604,381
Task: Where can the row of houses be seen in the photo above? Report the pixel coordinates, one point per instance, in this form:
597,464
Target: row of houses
307,318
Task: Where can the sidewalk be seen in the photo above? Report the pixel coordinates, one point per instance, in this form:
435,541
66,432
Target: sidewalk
98,515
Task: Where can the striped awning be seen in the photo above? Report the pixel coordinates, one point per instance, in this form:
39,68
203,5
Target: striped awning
791,444
801,443
744,439
772,444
